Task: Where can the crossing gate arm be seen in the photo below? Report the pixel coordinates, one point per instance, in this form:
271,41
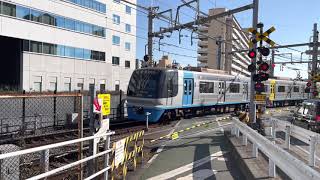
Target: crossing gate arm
289,164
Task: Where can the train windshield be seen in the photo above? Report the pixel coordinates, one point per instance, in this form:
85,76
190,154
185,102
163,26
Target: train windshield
145,83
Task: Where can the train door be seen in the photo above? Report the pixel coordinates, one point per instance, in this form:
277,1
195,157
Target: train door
245,92
187,92
222,88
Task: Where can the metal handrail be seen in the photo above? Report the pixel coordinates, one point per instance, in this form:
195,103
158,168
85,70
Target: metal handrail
50,146
290,165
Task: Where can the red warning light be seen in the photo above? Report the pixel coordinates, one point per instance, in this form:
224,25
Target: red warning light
252,54
264,66
309,84
273,65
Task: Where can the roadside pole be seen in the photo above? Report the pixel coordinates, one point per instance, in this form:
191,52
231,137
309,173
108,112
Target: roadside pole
254,61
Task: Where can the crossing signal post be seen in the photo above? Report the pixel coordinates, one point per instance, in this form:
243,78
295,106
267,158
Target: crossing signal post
259,70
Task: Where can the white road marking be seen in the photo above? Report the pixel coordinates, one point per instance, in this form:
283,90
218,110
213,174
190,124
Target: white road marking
201,174
159,150
188,167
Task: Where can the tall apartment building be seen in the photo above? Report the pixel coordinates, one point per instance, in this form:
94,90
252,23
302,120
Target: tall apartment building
232,39
66,45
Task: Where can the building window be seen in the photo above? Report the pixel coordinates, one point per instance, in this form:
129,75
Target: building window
128,28
35,46
69,51
116,19
26,45
127,64
281,88
91,4
128,9
67,84
37,83
50,19
206,87
127,46
116,40
115,60
49,48
79,53
234,88
52,83
35,16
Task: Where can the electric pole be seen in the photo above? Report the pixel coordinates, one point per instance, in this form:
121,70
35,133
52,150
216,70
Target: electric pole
219,52
150,35
254,61
314,57
272,63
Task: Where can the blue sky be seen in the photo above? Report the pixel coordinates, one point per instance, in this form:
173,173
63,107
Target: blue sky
293,20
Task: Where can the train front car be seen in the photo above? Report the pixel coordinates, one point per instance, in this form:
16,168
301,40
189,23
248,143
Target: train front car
151,90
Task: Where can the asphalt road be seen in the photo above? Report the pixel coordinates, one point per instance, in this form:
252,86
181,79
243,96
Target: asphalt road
199,153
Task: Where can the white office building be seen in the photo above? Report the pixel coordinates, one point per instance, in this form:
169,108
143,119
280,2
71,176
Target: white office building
66,45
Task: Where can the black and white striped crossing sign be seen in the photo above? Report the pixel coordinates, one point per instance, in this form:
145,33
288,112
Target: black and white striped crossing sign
261,37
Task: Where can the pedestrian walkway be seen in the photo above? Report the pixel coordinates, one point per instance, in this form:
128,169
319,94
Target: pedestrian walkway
198,154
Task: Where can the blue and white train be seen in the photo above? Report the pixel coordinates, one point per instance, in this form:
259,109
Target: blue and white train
168,93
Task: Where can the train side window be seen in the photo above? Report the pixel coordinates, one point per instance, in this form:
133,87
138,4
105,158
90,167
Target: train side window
190,87
234,88
206,87
281,89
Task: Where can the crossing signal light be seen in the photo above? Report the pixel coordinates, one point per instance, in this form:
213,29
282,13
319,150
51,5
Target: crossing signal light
252,54
307,90
264,51
264,76
309,84
264,66
259,87
251,68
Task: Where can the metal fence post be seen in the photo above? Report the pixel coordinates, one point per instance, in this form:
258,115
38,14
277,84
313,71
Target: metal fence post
23,125
254,150
312,150
80,134
55,109
92,129
44,160
272,168
287,140
244,140
106,161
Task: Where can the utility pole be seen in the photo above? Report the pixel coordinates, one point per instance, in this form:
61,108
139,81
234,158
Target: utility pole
272,63
254,60
314,56
150,35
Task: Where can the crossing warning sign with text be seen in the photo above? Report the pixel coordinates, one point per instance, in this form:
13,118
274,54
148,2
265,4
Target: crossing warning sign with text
105,103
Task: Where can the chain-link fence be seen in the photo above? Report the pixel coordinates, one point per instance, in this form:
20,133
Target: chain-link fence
22,115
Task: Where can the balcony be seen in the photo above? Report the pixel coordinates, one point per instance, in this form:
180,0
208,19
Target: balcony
203,59
203,43
202,37
202,50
